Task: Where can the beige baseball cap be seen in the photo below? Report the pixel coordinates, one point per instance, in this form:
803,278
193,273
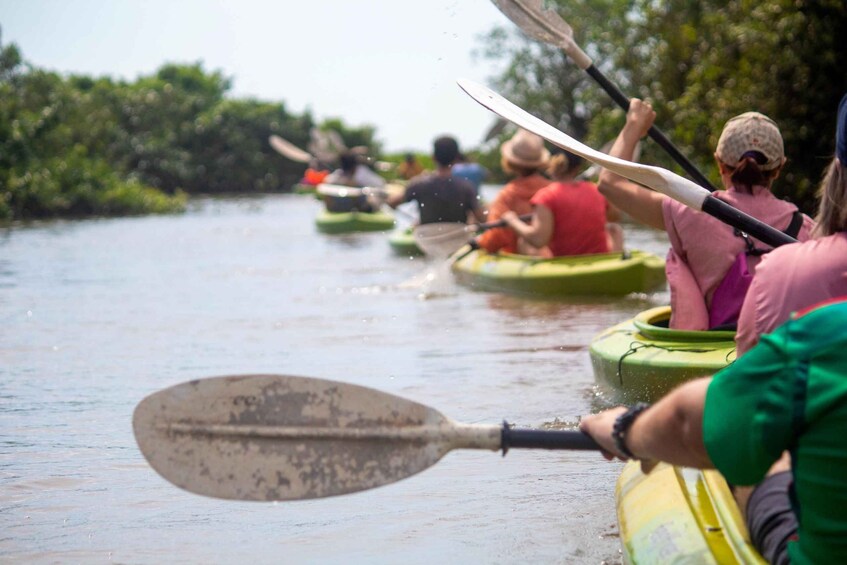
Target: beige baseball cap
751,131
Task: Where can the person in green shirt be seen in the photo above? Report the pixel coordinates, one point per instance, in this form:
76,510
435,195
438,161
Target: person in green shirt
789,393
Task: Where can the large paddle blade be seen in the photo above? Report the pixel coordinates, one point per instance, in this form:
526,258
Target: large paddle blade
274,437
289,150
657,178
266,437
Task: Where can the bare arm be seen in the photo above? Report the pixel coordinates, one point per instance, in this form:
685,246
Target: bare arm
641,203
671,430
540,229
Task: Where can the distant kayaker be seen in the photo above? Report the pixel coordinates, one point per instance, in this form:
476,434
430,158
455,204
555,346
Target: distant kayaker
710,264
793,277
569,216
466,169
410,167
352,173
787,393
524,157
441,197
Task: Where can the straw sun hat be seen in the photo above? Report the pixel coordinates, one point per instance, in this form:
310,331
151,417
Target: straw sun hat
525,149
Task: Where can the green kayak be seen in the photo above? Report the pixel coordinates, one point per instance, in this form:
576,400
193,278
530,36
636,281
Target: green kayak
642,359
679,515
302,188
349,222
403,243
602,274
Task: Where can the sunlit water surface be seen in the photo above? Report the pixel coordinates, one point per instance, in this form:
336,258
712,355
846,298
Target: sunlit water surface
95,315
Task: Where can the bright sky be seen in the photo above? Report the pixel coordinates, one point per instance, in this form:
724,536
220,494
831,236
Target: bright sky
389,63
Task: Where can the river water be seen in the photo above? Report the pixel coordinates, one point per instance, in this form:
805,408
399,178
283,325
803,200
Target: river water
97,314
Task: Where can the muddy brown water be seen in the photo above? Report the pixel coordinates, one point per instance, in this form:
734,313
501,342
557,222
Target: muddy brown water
97,314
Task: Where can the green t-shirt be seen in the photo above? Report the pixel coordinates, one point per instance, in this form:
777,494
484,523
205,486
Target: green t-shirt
790,393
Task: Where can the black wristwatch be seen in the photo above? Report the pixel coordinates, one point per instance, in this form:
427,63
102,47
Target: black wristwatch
622,425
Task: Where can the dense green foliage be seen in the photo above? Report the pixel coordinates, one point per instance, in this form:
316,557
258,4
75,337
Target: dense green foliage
700,62
76,146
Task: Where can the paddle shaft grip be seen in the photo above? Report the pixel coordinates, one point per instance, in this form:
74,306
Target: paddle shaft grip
546,439
748,224
500,223
655,133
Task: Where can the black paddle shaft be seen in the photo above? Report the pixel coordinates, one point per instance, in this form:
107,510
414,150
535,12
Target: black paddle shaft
546,439
655,133
748,224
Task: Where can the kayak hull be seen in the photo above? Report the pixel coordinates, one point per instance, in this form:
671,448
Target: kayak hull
583,275
351,222
680,515
403,243
640,360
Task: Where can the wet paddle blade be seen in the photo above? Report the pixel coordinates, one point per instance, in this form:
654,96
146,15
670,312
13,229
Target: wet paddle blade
289,150
545,25
273,437
661,180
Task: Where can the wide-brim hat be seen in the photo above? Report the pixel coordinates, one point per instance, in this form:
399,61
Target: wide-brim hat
747,132
525,149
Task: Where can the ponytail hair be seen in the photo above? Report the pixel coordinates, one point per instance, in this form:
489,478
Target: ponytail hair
563,165
832,208
748,173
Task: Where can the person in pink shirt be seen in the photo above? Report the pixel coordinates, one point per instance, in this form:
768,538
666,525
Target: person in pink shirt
704,249
796,276
569,216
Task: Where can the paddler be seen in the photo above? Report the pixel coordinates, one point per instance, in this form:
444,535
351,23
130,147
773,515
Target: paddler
569,216
523,157
354,174
441,197
710,264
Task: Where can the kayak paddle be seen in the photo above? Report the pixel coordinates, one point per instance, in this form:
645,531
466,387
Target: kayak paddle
547,26
442,239
657,178
274,437
289,150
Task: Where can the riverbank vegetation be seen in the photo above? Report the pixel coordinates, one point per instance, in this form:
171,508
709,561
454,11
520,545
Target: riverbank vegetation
75,146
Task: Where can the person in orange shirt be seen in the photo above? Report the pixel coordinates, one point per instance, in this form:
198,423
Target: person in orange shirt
523,157
409,168
570,216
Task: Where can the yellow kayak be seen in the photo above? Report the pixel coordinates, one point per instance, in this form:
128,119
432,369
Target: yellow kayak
680,515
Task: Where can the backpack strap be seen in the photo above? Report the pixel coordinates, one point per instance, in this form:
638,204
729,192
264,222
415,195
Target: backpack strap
793,228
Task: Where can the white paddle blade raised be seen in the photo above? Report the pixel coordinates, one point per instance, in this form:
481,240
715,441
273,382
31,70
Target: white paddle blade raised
657,178
274,437
289,150
545,25
442,239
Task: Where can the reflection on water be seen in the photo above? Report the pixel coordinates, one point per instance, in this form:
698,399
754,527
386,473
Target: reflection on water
97,314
